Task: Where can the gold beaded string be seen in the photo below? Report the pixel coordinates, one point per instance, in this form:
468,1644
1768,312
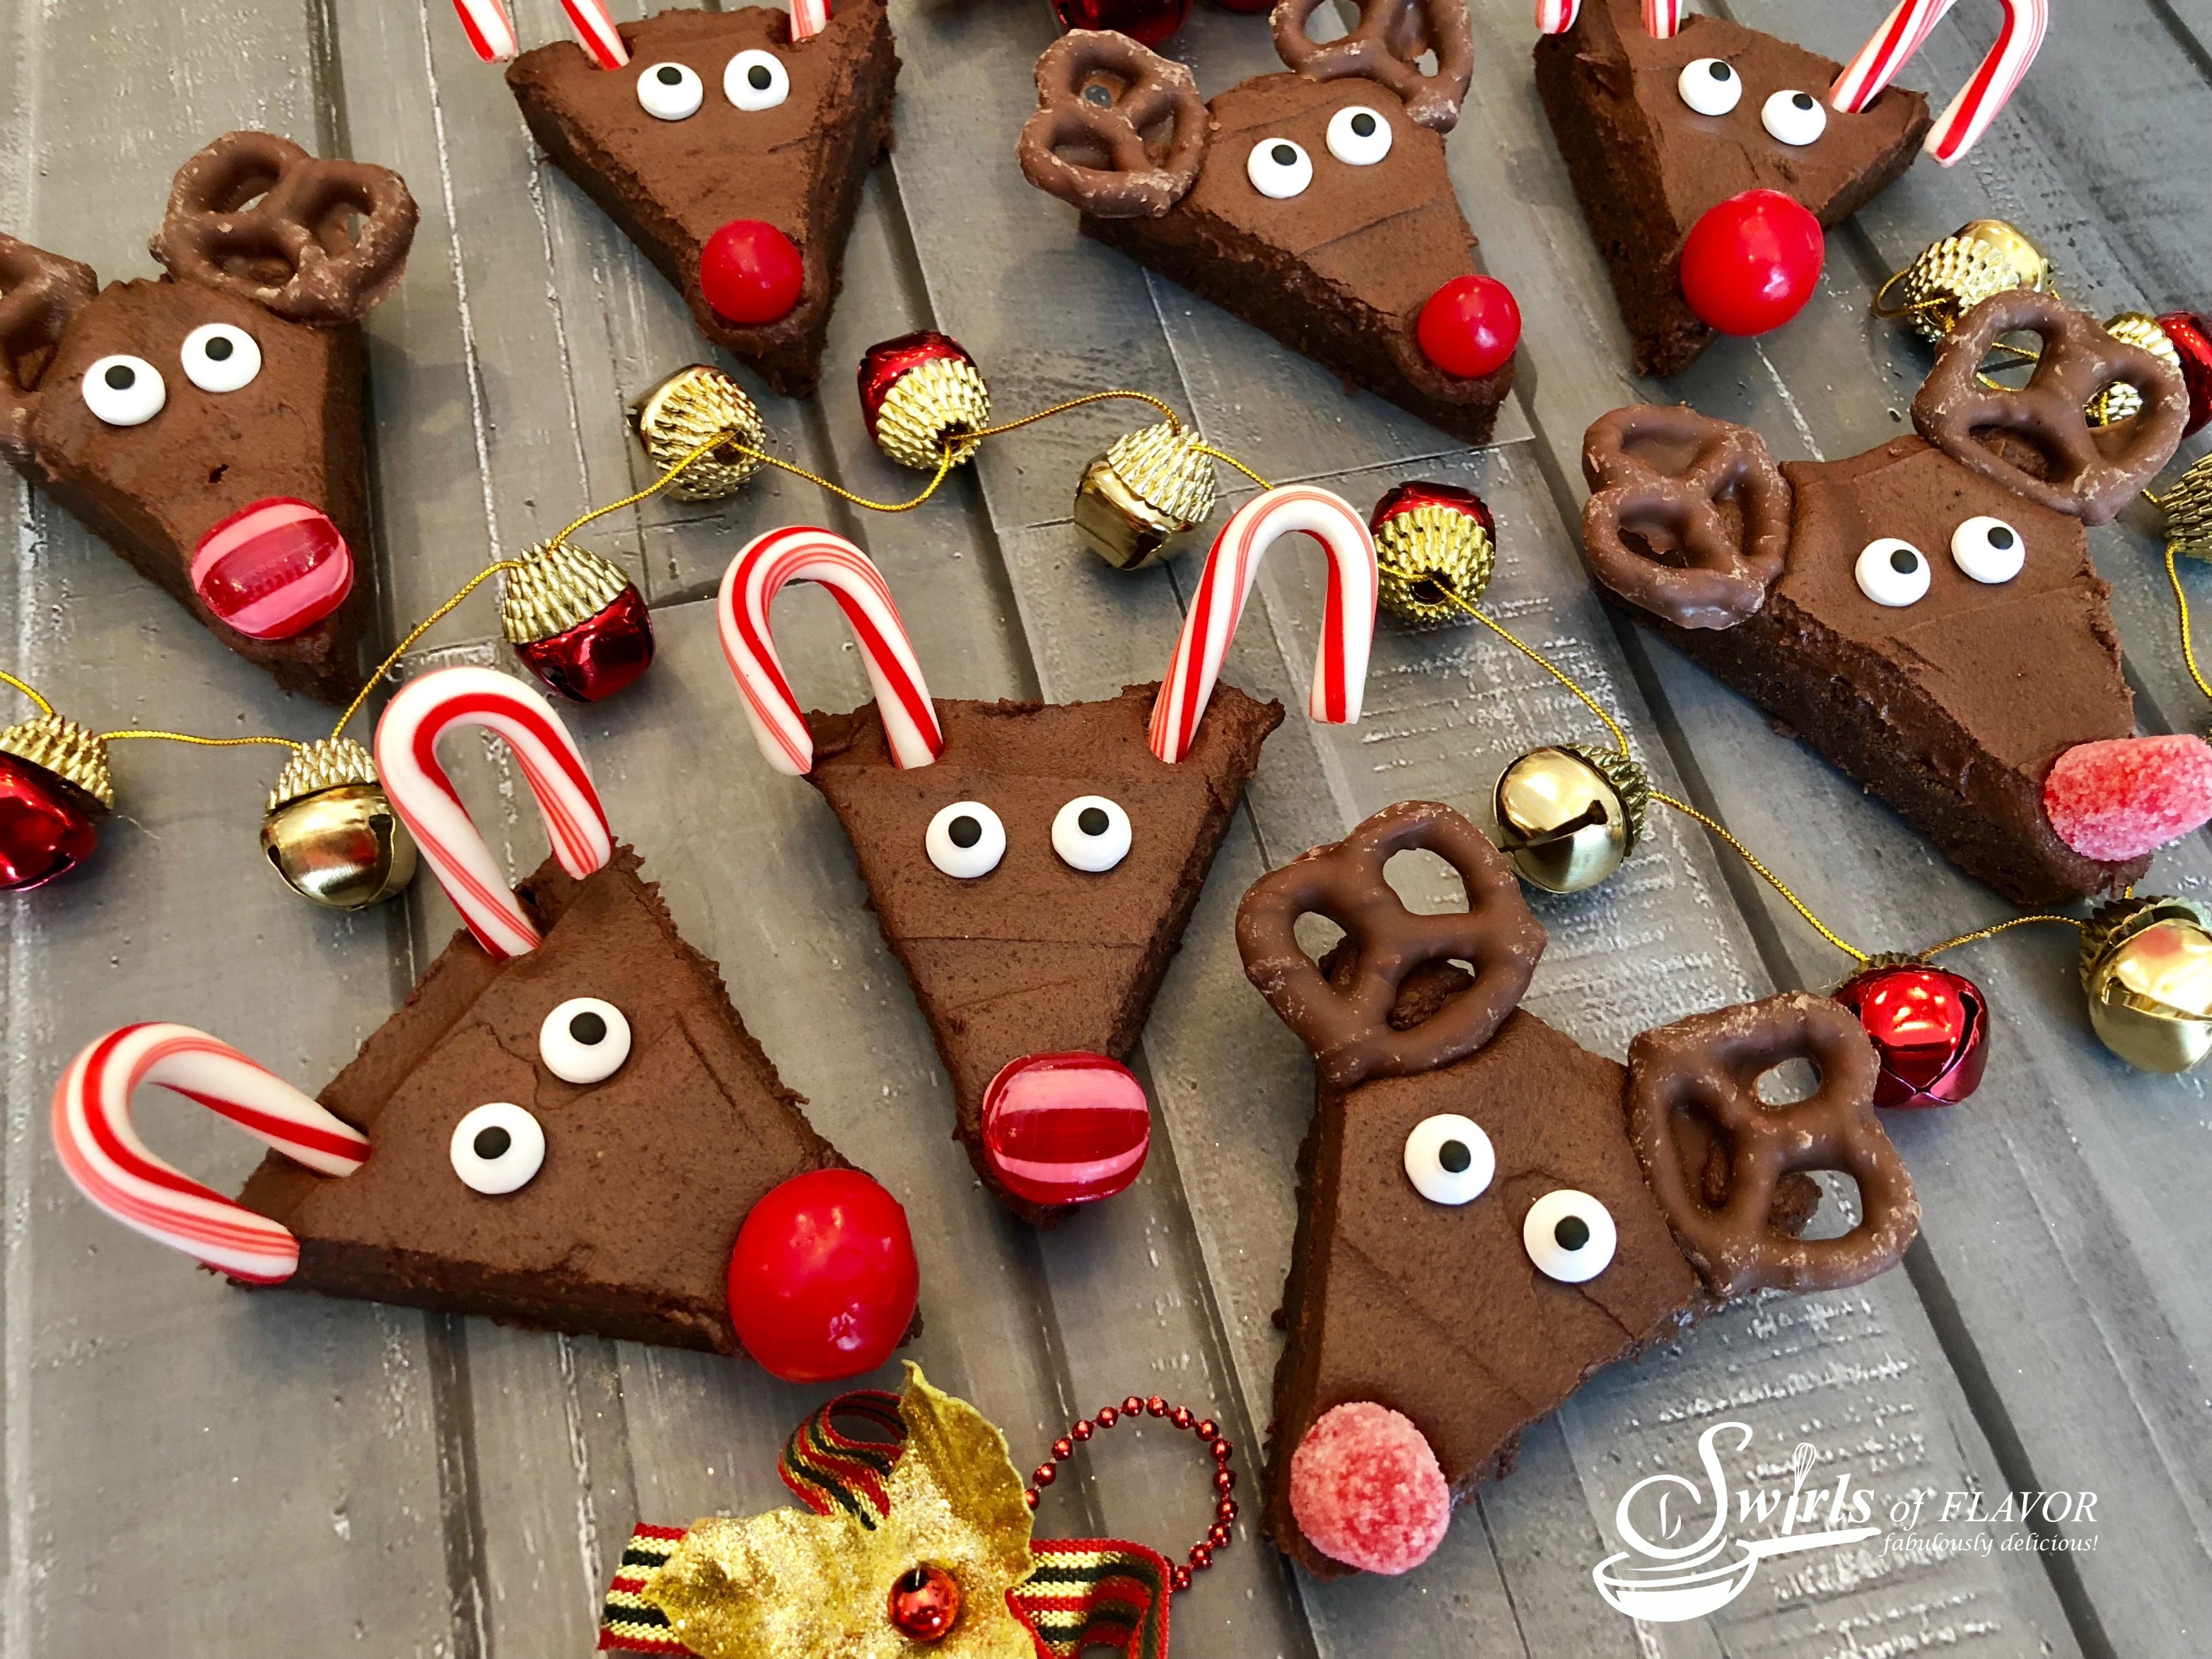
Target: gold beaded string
45,708
2181,604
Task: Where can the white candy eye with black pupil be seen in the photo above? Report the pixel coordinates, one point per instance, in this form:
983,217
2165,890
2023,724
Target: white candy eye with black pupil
1797,118
584,1040
670,92
966,839
1279,168
1568,1235
219,357
1357,137
497,1148
1989,550
1893,573
1090,833
1450,1159
1711,86
124,391
756,80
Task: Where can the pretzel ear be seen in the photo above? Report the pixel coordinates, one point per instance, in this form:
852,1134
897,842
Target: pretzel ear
1119,130
1386,46
40,295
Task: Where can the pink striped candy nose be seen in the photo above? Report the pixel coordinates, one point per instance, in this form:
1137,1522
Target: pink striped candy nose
273,569
1066,1128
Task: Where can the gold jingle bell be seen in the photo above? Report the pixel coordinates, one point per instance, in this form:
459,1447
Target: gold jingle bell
1951,277
1568,815
687,409
2118,402
331,834
2147,966
1434,548
2188,507
1143,500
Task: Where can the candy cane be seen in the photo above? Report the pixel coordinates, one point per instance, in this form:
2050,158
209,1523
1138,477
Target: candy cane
485,23
801,554
1662,19
595,29
104,1155
407,758
1557,16
809,18
1895,43
1347,624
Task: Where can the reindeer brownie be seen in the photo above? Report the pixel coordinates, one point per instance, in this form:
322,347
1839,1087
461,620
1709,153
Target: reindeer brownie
1663,117
1926,614
1033,864
731,147
1488,1213
1315,205
209,424
567,1126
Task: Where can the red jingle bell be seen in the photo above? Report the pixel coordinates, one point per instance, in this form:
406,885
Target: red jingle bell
822,1280
1752,263
751,273
1148,22
1470,327
1930,1028
54,791
577,621
1068,1128
917,392
925,1604
2193,341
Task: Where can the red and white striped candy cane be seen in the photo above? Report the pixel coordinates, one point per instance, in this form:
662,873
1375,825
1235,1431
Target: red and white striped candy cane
485,23
1902,35
407,760
1557,16
1347,623
101,1150
595,28
803,554
809,18
1662,19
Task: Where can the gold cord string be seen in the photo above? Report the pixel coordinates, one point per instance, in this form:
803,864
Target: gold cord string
202,743
45,708
1620,737
1763,874
442,612
1173,419
1222,455
1981,933
950,459
2181,602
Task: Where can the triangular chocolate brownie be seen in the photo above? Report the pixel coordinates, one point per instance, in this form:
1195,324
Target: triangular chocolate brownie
209,425
1036,957
1926,614
1315,205
1488,1214
1647,164
721,119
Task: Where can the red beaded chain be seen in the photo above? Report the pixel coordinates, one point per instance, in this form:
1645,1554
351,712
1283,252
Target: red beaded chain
1224,1478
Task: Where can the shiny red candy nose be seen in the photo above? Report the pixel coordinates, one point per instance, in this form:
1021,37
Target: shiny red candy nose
1470,327
1752,263
751,273
273,569
48,826
822,1280
1930,1028
1066,1128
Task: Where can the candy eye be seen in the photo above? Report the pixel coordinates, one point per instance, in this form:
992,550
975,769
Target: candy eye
1893,573
1359,136
584,1040
124,391
966,839
1711,86
1568,1235
498,1148
756,80
1795,118
1279,168
1989,550
221,358
669,92
1090,833
1448,1159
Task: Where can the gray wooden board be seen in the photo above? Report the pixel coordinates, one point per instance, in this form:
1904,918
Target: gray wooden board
189,1469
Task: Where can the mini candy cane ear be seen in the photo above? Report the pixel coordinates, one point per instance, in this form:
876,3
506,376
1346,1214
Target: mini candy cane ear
1662,19
485,23
801,554
1896,42
1347,628
407,757
595,29
809,18
1557,16
112,1167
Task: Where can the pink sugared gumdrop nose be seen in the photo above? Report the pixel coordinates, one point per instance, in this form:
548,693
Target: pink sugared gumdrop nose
2119,799
1366,1489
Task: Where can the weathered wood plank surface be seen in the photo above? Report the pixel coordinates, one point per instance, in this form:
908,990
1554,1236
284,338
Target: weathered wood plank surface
190,1470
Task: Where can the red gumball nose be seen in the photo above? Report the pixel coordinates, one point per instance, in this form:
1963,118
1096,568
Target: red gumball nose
2121,798
822,1280
751,273
1068,1128
1752,263
273,569
1366,1489
1470,327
